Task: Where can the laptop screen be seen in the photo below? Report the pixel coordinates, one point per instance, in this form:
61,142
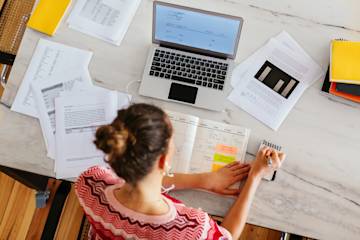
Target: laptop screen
196,29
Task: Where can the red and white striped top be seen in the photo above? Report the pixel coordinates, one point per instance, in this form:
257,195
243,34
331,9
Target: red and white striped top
111,220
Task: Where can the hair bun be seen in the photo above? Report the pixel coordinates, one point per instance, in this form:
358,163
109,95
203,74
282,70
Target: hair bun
110,140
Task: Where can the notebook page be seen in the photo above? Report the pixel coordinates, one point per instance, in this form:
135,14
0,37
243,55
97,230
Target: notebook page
184,127
218,144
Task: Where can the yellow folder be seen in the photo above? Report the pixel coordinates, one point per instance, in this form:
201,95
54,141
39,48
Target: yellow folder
345,62
47,15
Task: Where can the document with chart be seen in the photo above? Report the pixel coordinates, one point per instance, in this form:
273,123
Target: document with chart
205,145
270,82
45,94
49,61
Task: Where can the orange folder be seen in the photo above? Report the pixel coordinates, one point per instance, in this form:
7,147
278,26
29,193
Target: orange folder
351,97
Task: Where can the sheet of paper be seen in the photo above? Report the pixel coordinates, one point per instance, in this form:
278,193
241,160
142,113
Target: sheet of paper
240,70
50,60
271,104
286,41
216,145
184,127
123,99
45,94
104,19
77,118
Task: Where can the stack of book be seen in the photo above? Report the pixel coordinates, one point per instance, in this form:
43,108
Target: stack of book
342,82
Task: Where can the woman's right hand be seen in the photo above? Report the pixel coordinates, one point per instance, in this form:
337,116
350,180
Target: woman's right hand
260,167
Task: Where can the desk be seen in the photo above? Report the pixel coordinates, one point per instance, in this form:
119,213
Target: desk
317,192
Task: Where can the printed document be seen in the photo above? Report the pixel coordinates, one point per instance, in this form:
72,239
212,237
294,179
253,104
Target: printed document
77,118
123,99
45,94
104,19
270,82
49,61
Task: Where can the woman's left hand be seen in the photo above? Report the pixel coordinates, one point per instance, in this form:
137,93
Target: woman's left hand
220,180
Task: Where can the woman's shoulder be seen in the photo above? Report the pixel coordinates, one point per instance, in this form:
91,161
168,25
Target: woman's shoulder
94,179
98,173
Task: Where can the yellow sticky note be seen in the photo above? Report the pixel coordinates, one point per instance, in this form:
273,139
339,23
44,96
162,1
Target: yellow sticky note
216,167
47,15
223,158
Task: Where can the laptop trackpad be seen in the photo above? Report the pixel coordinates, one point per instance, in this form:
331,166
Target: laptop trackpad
183,93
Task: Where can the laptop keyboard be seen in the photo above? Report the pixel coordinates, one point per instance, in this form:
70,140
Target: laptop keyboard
188,69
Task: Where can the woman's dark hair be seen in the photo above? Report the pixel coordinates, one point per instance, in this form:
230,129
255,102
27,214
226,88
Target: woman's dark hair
134,140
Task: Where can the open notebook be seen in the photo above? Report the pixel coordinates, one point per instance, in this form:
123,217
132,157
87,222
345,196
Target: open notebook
204,145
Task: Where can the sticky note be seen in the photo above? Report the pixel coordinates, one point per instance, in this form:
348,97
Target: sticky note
223,158
226,149
216,167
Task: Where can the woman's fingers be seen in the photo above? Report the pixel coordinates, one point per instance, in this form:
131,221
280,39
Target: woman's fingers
230,165
238,166
231,191
241,176
241,170
269,152
264,150
282,156
278,157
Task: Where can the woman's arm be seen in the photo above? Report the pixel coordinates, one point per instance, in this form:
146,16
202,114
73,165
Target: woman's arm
217,181
184,181
235,219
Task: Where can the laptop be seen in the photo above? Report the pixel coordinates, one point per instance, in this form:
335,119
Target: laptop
191,58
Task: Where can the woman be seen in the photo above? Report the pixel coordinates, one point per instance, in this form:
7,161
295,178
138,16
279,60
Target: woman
127,202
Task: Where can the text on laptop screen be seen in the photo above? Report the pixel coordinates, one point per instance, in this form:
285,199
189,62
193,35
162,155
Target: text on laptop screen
196,29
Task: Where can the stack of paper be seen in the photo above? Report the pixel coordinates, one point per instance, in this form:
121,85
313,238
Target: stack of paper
270,82
344,70
325,90
45,94
57,89
104,19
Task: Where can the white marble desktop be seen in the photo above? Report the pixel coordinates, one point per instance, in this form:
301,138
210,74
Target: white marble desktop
317,192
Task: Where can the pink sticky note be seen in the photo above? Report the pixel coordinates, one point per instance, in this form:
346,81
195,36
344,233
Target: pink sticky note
226,149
